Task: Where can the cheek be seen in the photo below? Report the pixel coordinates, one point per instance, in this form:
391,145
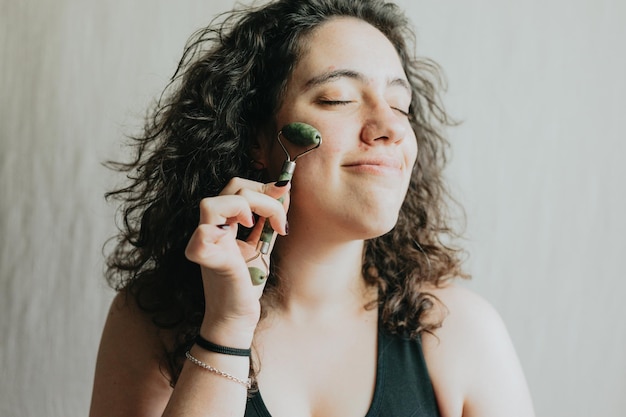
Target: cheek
316,171
275,166
413,149
324,157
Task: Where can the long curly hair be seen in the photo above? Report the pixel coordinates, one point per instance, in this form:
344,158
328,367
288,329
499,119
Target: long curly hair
199,134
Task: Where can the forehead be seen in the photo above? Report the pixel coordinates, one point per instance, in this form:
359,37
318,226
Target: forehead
348,43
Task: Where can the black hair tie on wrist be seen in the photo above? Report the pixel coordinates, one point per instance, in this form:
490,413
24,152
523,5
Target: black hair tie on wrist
212,347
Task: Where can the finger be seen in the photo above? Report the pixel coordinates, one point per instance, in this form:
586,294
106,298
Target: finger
237,184
267,208
226,209
255,233
278,190
257,230
203,243
272,189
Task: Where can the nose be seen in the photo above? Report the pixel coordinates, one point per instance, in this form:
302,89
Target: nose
383,124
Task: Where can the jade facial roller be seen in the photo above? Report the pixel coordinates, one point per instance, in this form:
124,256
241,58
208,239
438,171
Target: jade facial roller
301,135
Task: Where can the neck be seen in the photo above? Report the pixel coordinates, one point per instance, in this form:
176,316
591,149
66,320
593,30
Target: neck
321,279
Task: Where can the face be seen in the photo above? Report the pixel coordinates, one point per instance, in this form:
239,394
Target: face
349,83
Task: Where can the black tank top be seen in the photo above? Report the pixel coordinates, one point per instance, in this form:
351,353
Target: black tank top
403,387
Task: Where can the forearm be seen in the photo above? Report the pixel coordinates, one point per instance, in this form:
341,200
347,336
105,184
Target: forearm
201,392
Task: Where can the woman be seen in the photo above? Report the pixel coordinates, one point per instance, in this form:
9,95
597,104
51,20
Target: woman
358,315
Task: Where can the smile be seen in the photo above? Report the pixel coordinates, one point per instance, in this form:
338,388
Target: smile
376,165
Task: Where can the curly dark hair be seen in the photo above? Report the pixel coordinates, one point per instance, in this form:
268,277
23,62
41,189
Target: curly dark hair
226,89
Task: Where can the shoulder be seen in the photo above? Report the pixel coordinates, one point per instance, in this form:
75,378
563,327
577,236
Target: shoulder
471,359
131,324
462,312
470,329
129,365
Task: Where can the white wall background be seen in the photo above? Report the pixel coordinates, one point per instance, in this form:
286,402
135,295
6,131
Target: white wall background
541,88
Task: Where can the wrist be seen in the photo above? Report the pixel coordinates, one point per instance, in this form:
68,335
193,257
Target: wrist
226,350
232,335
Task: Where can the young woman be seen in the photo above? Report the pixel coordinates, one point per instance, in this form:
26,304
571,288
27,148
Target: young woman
358,316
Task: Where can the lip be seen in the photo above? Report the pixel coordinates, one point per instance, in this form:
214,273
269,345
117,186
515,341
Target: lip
376,164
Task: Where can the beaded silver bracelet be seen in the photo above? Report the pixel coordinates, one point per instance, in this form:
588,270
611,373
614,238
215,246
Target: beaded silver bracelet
246,383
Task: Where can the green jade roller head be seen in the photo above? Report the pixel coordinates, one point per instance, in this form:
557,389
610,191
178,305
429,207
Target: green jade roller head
301,135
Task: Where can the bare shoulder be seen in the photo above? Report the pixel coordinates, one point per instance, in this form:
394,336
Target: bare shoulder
129,379
462,310
471,359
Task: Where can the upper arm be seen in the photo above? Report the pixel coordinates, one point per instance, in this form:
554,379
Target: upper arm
472,361
128,378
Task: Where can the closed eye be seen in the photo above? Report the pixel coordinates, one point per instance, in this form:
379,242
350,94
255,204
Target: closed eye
405,113
334,102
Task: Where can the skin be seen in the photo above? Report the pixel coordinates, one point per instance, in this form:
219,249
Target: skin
359,101
349,84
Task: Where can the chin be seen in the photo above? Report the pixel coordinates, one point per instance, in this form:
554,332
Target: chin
373,230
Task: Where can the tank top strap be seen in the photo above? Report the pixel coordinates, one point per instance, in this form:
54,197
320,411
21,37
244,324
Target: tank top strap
403,385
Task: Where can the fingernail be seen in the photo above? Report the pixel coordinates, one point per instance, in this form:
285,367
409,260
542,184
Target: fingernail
281,183
223,226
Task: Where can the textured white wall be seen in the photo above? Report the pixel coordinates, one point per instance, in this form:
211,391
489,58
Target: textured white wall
539,84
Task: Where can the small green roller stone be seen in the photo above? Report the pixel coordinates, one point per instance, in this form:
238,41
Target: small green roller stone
257,275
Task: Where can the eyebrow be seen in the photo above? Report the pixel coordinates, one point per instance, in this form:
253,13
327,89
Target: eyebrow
345,73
